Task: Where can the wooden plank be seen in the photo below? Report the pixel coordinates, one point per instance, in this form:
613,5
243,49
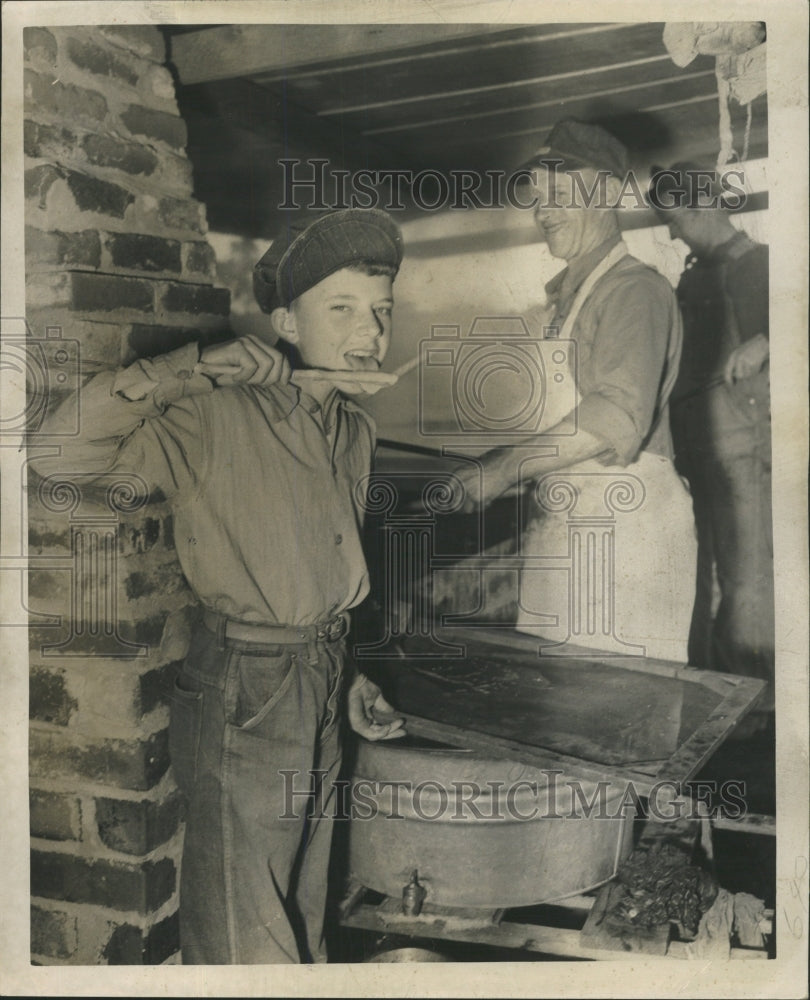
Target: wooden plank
504,749
642,98
750,823
603,930
488,73
528,937
576,98
698,748
251,49
416,57
278,121
508,716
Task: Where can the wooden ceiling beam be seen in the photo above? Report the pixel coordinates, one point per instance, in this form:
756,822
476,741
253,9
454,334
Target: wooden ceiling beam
531,36
556,102
239,50
447,95
275,119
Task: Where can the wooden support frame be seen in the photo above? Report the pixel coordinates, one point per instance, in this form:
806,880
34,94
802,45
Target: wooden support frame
493,928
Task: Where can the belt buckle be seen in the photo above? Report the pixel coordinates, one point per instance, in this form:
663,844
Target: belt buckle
333,630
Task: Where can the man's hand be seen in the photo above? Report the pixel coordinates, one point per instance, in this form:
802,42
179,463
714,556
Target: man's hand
364,699
747,359
482,483
247,359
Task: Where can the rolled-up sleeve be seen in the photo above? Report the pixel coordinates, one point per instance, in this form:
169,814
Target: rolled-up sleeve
143,419
620,380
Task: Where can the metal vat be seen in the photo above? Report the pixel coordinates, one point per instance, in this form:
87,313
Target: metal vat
480,832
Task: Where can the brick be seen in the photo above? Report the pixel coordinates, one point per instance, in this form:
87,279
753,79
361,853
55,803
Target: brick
133,764
154,686
177,631
168,530
138,537
144,253
108,292
43,92
43,537
144,40
95,59
137,827
94,195
48,698
200,258
122,886
188,298
181,213
167,579
48,141
53,933
39,44
125,945
57,248
54,816
38,182
160,125
176,173
145,630
107,151
158,82
130,945
83,643
147,341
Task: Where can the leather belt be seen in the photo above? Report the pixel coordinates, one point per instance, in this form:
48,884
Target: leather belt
230,628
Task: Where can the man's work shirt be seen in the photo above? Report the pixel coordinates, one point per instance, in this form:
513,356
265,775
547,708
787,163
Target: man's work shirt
267,490
723,296
628,335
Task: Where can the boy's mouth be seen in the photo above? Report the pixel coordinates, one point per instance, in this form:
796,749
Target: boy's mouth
362,360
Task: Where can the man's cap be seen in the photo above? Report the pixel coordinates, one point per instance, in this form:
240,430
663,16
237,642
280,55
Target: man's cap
308,249
580,144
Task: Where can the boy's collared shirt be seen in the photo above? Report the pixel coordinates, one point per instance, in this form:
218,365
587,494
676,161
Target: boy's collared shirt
267,492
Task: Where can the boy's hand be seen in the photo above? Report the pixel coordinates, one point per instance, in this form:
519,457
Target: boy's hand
247,359
365,699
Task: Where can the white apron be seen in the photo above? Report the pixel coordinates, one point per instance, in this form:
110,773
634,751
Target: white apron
609,562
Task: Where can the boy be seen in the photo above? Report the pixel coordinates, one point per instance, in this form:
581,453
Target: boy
264,479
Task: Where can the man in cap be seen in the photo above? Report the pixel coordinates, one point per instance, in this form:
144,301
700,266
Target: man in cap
635,595
721,423
264,476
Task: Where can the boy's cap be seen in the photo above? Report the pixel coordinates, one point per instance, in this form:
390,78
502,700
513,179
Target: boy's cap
307,251
578,145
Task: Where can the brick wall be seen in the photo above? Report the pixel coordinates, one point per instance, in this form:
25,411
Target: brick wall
116,259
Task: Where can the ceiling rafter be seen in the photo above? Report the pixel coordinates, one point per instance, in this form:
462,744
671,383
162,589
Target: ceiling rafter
490,42
489,88
517,108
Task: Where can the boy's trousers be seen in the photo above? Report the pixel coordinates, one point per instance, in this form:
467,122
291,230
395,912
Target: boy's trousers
250,723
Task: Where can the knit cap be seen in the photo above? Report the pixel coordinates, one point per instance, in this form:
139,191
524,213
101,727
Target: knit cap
307,250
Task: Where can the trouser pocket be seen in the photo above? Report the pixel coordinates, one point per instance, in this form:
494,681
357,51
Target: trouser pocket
256,683
185,722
